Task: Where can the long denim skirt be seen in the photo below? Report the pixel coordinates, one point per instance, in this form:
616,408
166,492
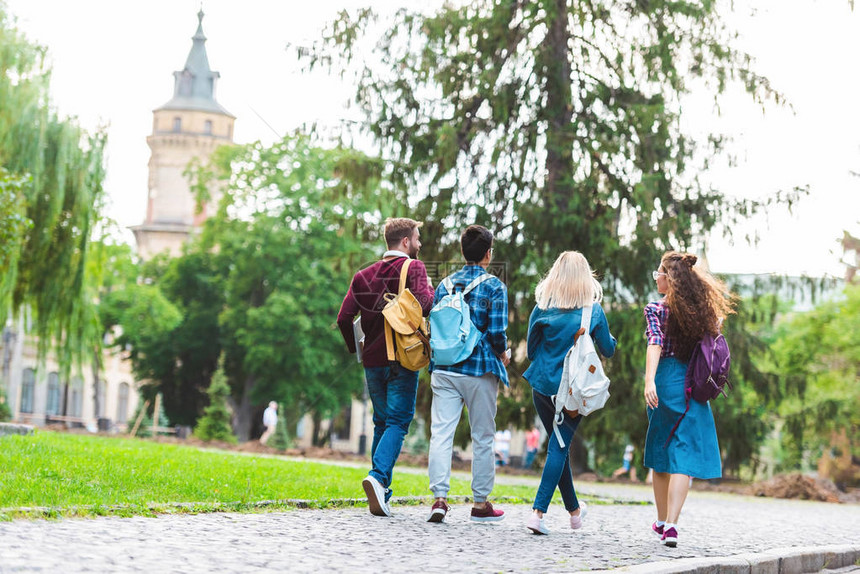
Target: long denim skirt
693,449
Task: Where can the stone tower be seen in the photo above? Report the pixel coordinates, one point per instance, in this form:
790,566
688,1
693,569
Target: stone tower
191,125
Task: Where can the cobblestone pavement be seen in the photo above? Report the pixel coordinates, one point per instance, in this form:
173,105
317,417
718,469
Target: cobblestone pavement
351,540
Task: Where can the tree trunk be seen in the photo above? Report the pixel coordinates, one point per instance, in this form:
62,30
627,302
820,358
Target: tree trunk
97,361
244,412
559,109
319,438
578,456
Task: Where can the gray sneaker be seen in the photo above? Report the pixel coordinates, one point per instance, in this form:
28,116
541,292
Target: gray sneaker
375,497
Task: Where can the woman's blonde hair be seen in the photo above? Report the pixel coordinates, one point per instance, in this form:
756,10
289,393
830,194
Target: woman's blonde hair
569,284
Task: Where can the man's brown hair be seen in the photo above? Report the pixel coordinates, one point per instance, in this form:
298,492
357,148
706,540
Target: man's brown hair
396,228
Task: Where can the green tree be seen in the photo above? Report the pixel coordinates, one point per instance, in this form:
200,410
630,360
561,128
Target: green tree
264,281
554,122
817,356
558,125
281,438
215,422
743,418
5,412
51,202
295,223
170,324
13,227
135,317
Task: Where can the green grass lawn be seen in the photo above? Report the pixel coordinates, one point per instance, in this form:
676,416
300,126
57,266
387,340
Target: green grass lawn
66,475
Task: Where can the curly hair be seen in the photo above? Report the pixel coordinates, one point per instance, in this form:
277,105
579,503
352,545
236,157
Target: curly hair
697,302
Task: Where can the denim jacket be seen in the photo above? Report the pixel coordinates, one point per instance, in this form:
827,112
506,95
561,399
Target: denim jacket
550,337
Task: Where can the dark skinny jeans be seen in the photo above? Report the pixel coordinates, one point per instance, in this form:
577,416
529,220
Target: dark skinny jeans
556,470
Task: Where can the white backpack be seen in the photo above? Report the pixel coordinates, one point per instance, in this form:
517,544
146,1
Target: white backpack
584,386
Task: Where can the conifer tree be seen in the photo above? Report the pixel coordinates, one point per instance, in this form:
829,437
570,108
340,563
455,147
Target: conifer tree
215,422
144,429
163,420
5,413
558,124
281,439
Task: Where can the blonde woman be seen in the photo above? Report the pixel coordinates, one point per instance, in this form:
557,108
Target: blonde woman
568,287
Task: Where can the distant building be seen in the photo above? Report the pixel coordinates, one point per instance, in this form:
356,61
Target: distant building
38,393
191,125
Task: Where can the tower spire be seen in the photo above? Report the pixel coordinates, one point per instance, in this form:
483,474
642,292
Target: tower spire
199,34
194,85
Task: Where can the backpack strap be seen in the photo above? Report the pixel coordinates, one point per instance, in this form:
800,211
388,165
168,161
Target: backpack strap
561,395
586,319
404,271
450,286
389,332
475,282
687,393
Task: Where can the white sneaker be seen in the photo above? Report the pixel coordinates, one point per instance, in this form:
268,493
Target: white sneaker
576,521
375,497
536,524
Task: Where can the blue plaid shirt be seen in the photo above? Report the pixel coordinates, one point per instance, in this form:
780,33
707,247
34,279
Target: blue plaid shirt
488,303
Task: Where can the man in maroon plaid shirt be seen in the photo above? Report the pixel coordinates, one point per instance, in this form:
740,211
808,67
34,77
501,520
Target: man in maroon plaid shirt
392,388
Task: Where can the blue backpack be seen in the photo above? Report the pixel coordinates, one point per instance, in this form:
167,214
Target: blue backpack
453,336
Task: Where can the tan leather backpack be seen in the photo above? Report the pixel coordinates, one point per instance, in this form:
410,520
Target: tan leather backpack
406,339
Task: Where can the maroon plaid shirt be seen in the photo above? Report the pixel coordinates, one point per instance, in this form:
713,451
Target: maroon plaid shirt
366,295
656,315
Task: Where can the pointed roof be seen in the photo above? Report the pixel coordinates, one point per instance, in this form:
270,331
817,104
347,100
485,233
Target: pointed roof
194,85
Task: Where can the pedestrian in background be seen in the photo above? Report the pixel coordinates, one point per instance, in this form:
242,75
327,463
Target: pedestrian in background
627,464
532,446
694,303
270,421
502,447
568,287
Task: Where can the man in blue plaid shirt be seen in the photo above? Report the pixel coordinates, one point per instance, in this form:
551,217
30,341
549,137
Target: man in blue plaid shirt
473,382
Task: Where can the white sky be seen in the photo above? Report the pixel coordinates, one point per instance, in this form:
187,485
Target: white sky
113,63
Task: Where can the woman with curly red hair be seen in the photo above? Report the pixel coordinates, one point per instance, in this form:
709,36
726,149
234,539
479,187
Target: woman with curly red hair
694,303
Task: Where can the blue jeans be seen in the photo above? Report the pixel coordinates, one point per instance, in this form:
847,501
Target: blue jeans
392,391
556,471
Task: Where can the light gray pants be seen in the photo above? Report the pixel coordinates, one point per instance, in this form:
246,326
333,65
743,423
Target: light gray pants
479,394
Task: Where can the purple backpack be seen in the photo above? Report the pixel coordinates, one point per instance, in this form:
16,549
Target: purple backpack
707,372
708,369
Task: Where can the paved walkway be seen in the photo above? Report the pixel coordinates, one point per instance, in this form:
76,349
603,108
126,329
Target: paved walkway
351,540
